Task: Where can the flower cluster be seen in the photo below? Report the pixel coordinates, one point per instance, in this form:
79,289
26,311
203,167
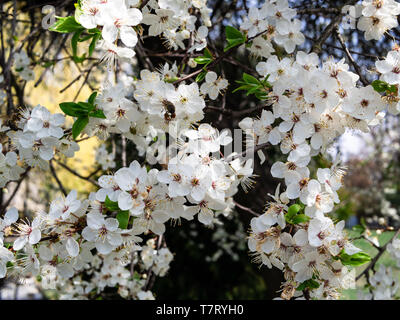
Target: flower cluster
394,249
37,135
175,21
21,65
117,20
157,108
375,17
314,105
389,70
105,159
273,21
384,285
157,260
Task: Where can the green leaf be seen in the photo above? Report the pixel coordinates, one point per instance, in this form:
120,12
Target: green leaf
123,219
74,42
254,89
92,45
202,60
382,86
201,76
253,86
355,260
92,98
250,79
66,25
79,59
171,80
73,109
233,34
97,114
292,211
244,87
111,205
94,31
136,276
232,44
311,284
79,125
86,106
207,53
358,228
300,218
234,37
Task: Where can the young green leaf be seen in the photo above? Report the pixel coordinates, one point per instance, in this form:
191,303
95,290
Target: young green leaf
234,37
73,109
382,86
250,79
292,211
111,205
92,45
66,25
123,219
86,106
79,125
97,114
74,42
311,284
202,60
201,76
92,98
300,218
355,260
207,53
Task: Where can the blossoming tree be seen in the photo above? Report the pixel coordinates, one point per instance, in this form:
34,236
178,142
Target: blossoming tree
302,85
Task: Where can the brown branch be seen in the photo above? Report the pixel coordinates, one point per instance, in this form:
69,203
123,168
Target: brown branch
318,10
350,57
317,46
246,209
234,113
24,175
150,274
376,258
76,173
249,150
53,172
217,60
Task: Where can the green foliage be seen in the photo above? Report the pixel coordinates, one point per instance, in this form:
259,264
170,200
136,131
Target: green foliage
122,215
111,205
300,218
82,111
234,37
254,86
79,125
70,25
310,284
201,76
93,34
292,211
358,228
66,25
354,260
123,219
202,60
293,216
382,86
